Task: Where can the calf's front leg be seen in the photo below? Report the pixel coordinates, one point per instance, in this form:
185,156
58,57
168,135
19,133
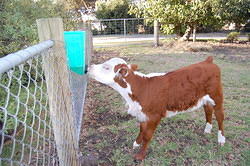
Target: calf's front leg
146,136
139,138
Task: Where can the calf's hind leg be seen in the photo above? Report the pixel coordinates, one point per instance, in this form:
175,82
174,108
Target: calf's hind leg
219,114
208,113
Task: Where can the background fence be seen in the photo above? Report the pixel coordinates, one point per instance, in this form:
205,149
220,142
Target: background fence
120,31
37,118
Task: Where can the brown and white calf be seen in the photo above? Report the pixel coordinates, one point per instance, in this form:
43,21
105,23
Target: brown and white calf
154,96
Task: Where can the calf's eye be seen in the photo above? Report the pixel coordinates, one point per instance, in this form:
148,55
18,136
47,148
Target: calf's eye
105,67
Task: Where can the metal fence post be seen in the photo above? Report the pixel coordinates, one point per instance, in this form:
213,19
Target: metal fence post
124,26
156,33
60,104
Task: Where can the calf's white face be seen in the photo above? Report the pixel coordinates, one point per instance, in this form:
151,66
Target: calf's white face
105,72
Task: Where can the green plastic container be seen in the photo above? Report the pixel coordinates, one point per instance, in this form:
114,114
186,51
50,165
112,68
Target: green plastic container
75,50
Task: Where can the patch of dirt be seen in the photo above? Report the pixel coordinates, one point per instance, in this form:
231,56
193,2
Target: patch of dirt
181,46
101,56
99,119
183,125
178,129
236,52
232,51
108,142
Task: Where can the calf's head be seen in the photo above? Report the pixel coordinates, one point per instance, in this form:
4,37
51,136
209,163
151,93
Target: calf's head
112,72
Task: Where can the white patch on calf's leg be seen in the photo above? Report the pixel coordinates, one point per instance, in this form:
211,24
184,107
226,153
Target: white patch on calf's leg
135,145
171,113
208,128
221,138
208,100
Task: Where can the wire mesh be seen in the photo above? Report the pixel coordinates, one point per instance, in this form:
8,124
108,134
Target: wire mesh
126,26
26,134
121,31
78,85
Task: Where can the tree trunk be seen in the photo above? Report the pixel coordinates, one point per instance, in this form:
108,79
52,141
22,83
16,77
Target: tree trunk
194,33
187,34
178,31
237,26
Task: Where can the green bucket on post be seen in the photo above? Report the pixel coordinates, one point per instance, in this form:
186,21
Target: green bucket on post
75,50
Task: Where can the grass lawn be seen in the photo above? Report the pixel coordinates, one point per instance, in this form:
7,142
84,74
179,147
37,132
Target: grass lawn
109,132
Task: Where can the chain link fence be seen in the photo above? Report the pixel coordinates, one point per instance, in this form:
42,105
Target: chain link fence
26,135
109,32
124,26
38,99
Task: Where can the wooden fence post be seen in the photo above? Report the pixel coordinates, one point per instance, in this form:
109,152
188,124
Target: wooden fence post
60,104
86,26
156,33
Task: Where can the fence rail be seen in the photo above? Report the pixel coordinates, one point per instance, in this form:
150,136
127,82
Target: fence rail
19,57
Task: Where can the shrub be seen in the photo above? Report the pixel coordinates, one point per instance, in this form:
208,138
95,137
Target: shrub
114,9
233,36
18,22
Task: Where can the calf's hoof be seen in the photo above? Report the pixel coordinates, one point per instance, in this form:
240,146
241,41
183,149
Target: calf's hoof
135,145
221,143
208,128
140,156
221,138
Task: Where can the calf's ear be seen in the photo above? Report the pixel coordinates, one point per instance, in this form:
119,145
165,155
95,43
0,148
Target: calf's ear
133,67
123,71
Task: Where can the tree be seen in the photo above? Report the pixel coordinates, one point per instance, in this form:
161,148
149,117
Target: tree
78,4
113,9
178,16
18,22
236,11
